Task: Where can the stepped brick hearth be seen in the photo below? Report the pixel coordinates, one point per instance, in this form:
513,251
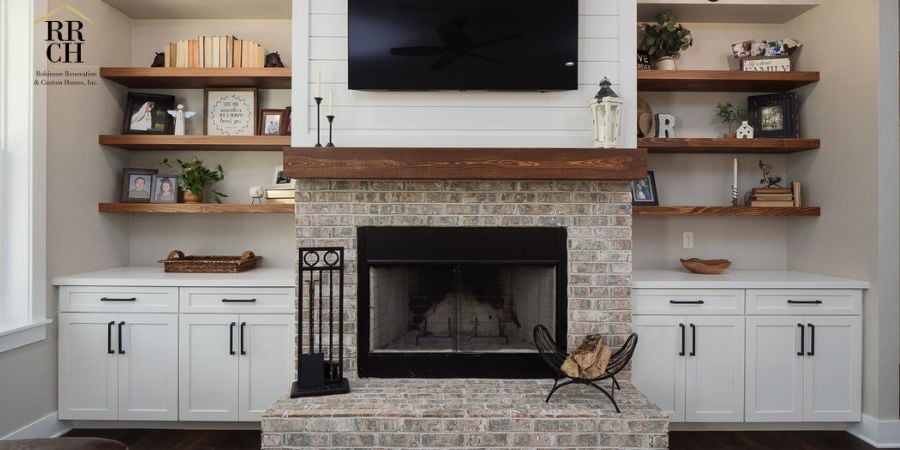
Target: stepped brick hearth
595,217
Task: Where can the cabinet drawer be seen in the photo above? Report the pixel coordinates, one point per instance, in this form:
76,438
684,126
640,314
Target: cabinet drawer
237,300
804,302
118,299
688,301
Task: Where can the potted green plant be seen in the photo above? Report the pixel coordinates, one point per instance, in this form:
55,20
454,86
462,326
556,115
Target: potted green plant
195,178
665,39
731,115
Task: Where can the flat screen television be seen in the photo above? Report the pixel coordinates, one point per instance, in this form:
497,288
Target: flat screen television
511,45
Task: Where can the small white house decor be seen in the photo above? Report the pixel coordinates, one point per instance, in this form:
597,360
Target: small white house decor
606,112
745,131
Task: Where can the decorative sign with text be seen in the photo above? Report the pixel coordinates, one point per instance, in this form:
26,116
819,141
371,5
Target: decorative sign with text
766,65
230,112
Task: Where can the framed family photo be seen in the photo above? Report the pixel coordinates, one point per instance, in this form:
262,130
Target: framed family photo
644,191
148,114
774,115
165,189
281,181
230,111
272,122
137,185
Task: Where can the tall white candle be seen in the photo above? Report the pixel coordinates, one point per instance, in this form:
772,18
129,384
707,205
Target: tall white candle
319,83
330,102
735,173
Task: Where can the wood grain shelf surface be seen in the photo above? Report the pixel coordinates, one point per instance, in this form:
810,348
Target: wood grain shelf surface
192,208
198,78
725,211
719,145
722,80
149,142
408,163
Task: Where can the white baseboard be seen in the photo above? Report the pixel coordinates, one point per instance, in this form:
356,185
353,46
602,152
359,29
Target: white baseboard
877,433
45,427
758,426
168,425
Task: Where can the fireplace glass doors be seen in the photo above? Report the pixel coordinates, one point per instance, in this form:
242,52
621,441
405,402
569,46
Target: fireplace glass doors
458,302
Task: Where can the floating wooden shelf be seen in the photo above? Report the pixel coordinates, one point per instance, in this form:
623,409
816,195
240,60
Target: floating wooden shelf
465,163
202,208
183,78
722,80
745,11
806,211
717,145
196,143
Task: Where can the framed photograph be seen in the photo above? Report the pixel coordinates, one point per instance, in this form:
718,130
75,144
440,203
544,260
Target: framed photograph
137,185
272,122
644,191
281,181
165,189
774,115
147,114
230,111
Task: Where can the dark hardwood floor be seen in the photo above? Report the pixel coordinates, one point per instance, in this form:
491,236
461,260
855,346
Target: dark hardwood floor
137,439
765,440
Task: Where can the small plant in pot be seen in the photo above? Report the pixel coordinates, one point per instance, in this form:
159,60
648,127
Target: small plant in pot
731,115
665,40
195,179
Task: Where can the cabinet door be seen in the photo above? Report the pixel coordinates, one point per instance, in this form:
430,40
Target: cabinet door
714,381
657,367
87,369
208,367
774,391
266,346
832,369
148,366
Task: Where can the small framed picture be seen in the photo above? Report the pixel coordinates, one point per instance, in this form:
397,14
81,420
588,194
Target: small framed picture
644,191
774,115
281,181
230,111
137,185
165,189
272,122
147,114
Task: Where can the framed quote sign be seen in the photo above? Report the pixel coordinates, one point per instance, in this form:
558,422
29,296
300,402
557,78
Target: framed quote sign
230,111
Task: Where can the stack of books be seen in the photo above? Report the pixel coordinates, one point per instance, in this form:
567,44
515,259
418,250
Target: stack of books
215,51
276,196
777,197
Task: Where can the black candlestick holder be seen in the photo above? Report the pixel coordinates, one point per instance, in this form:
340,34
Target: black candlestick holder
330,124
318,121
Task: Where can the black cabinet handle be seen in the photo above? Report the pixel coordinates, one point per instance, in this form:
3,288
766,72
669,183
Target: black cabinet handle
686,302
681,353
107,299
109,348
812,340
693,340
802,339
243,324
121,349
238,300
804,302
231,338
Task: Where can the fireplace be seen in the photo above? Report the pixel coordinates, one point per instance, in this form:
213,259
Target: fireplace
458,302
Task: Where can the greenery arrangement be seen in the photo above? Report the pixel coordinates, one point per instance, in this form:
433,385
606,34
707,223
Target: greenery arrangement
197,178
665,38
731,115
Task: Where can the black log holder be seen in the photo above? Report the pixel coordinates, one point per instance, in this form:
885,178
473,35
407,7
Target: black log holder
320,353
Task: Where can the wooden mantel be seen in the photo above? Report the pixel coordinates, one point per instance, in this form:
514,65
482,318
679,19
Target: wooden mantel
433,163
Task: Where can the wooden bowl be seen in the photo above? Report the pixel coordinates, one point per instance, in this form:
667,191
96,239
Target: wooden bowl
706,266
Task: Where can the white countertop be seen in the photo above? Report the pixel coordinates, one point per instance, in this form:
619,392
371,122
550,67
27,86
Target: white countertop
741,279
155,276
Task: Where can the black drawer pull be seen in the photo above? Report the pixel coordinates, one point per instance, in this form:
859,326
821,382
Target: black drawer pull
109,348
693,340
812,340
243,324
686,302
804,302
121,349
107,299
231,338
802,339
238,300
681,353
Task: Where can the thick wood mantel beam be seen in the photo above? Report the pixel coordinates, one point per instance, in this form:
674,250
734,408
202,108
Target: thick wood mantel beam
432,163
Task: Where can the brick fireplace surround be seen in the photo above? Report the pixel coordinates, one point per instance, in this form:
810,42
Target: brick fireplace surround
419,413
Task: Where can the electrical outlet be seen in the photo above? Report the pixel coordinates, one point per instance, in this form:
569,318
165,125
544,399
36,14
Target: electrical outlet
687,239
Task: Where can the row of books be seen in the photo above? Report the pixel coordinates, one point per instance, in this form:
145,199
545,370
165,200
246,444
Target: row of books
280,196
215,51
777,197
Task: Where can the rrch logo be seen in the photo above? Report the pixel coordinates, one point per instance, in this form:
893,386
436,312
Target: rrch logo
65,37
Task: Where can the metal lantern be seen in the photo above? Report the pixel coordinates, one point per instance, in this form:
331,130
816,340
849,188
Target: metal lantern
606,114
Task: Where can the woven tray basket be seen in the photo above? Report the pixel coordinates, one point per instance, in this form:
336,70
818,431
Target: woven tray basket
177,262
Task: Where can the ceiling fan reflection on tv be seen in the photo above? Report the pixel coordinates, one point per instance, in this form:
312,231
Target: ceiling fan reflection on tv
457,44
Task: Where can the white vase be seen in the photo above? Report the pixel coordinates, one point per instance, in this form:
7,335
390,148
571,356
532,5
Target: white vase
665,63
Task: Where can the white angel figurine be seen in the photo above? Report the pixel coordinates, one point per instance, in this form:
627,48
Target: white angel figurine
180,115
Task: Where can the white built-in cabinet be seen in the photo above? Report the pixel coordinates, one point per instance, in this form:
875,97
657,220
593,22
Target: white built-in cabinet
754,355
169,353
